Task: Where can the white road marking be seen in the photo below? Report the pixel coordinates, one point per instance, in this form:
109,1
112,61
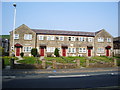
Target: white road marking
83,75
8,77
67,76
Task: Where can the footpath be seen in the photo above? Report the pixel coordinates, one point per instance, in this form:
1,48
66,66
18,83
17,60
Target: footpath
15,72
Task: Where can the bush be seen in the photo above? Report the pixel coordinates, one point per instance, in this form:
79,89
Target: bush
21,54
56,52
1,51
34,52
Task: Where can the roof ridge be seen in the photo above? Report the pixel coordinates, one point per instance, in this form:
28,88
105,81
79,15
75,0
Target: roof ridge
62,30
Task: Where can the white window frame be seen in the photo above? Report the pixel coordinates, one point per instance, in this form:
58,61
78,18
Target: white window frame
72,50
82,50
71,38
82,39
50,49
50,37
41,37
100,50
61,38
108,39
100,39
27,36
27,49
90,39
16,36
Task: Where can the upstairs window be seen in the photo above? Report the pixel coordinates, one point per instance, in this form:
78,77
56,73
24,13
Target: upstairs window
100,39
82,50
28,36
41,37
108,39
100,50
16,36
50,37
90,39
82,39
71,38
61,38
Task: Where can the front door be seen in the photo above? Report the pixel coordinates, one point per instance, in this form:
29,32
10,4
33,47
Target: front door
17,51
89,52
107,52
42,52
63,52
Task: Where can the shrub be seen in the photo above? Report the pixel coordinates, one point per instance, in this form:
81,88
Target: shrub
56,52
1,51
21,54
34,52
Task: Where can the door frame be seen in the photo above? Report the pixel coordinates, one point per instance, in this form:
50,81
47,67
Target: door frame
64,50
41,48
16,51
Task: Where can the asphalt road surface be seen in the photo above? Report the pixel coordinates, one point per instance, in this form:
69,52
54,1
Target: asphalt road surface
76,80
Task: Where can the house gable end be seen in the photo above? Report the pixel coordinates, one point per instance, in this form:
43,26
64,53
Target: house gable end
103,33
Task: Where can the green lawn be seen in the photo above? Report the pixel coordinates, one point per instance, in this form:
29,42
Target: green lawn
7,59
103,58
30,60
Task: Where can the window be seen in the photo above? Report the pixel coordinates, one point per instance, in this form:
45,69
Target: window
28,36
90,39
82,39
16,36
100,50
108,39
71,38
27,49
71,50
50,37
61,38
82,50
100,39
50,49
41,37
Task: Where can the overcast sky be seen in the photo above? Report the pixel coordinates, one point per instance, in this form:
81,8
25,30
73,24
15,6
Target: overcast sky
71,16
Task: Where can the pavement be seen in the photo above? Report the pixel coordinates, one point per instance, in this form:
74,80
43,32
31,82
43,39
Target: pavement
43,72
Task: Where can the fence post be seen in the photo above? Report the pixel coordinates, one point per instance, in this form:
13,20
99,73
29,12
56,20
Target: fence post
54,64
87,63
11,63
115,62
78,63
43,64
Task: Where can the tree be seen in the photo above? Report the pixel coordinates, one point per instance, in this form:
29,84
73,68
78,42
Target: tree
34,52
56,52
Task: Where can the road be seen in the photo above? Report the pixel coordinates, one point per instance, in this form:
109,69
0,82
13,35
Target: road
71,80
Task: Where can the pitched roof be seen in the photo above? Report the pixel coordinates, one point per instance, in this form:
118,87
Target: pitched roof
60,32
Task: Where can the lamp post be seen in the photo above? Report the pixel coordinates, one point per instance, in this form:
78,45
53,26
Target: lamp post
14,26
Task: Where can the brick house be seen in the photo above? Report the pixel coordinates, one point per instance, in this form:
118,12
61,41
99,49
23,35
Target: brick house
69,43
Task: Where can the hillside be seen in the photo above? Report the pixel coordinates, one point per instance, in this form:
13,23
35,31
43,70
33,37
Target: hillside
5,36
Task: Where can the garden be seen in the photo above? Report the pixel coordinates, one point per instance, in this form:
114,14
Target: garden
35,62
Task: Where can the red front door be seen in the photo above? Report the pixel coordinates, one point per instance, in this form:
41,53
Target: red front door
107,52
89,52
63,52
17,51
42,52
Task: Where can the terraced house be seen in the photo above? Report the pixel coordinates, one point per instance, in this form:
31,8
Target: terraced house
69,43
